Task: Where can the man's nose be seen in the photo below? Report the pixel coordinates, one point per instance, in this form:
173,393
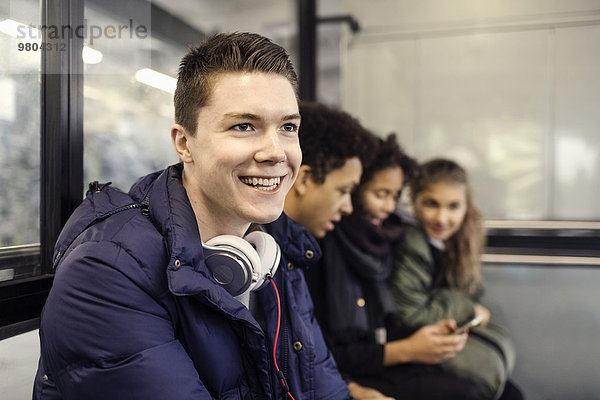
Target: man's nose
271,148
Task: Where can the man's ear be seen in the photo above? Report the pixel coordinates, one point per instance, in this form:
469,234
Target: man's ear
179,137
303,181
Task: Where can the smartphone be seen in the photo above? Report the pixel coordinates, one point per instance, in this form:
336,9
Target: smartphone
474,322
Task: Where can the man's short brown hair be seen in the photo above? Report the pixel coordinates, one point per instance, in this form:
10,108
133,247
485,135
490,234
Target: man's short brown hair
223,53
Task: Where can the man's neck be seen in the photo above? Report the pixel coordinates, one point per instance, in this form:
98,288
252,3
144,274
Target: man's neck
211,224
212,221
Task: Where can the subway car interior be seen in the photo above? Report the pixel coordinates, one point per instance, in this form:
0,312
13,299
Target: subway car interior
510,89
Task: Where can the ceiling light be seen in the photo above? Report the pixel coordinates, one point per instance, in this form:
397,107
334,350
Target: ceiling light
19,30
156,79
91,56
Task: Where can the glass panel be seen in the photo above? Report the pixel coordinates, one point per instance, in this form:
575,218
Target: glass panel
577,150
329,44
515,108
379,87
483,103
275,19
19,125
126,120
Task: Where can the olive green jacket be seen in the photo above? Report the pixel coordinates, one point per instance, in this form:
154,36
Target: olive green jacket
417,302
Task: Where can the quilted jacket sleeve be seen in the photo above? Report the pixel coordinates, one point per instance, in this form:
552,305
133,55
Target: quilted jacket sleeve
111,339
416,302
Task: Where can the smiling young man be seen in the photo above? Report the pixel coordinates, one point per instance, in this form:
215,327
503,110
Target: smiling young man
140,309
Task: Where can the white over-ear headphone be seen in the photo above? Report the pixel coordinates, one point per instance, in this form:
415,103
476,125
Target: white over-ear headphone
241,265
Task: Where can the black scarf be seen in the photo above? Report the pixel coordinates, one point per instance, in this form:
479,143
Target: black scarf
372,239
357,260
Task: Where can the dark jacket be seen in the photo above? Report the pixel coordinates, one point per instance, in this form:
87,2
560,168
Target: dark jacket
354,307
353,303
421,293
132,313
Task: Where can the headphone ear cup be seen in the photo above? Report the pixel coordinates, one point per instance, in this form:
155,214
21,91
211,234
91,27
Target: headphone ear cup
232,262
269,253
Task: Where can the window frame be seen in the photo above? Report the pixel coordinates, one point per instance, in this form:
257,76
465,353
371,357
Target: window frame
61,166
548,243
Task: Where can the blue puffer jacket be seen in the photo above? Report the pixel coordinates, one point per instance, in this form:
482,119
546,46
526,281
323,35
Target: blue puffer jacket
132,314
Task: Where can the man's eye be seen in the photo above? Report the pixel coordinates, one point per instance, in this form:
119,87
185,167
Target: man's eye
290,127
242,127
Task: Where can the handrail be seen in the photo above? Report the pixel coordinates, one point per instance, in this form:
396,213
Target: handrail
542,225
17,262
10,251
540,259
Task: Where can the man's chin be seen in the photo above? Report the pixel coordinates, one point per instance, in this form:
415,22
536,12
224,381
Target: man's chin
266,219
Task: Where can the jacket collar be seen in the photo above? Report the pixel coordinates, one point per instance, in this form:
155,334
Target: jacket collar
172,215
297,244
101,202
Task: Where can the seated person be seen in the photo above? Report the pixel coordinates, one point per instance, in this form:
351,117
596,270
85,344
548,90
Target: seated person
438,267
348,288
140,309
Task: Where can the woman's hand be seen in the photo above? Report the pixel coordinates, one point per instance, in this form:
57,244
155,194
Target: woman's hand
431,344
481,310
359,392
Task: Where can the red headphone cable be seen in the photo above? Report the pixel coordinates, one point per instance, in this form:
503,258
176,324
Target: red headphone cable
282,380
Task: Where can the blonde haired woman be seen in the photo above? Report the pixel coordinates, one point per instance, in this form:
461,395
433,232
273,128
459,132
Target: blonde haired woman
438,269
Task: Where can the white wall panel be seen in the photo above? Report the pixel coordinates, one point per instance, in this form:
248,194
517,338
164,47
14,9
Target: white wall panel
515,105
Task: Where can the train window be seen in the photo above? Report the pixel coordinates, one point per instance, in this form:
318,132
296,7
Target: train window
513,105
20,62
129,80
110,123
577,144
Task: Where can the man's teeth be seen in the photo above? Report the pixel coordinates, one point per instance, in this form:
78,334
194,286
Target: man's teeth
262,183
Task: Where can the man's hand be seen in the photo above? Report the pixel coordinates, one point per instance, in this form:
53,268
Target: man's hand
431,344
359,392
